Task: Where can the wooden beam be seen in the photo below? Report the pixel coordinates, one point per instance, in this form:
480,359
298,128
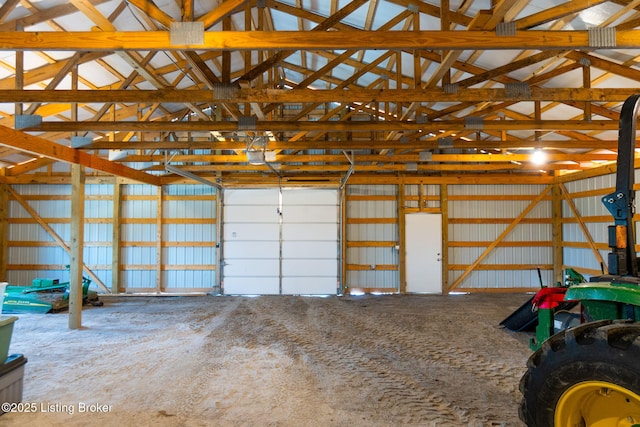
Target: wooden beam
282,54
48,71
159,234
444,210
6,9
556,234
300,40
91,12
42,147
77,246
4,230
402,241
330,158
153,11
187,10
343,239
303,95
373,167
305,144
216,14
307,126
435,11
555,13
36,16
116,237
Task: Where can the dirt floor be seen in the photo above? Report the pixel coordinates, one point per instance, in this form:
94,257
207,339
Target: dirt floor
274,361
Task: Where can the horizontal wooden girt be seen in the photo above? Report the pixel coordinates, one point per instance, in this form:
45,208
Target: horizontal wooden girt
300,40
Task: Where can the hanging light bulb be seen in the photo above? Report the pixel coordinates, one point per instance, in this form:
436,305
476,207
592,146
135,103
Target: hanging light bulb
538,157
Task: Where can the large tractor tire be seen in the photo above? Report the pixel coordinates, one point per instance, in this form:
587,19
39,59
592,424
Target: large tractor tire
585,376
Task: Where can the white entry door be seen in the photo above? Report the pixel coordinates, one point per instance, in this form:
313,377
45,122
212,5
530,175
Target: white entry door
423,244
280,241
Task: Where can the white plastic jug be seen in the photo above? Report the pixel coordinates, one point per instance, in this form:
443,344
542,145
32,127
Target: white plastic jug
3,287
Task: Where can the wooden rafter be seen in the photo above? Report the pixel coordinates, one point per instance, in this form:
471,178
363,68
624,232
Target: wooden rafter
42,147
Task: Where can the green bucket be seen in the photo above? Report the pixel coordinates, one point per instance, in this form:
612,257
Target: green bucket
6,330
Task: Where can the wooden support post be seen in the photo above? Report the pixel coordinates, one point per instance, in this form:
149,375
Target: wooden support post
399,76
444,256
219,241
116,238
343,239
19,79
586,83
77,246
4,229
226,55
556,233
402,264
159,284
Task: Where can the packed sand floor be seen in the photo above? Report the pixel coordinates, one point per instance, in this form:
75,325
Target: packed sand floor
402,360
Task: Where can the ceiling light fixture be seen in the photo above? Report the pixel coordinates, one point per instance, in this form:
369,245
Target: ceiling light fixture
255,150
538,157
255,157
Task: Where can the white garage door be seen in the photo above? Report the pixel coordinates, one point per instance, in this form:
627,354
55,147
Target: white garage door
251,250
280,243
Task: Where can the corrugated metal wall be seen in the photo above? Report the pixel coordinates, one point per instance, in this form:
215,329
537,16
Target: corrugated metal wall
478,215
98,230
139,258
189,235
371,237
585,195
188,248
32,252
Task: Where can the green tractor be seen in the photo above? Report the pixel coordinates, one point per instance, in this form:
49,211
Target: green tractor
589,375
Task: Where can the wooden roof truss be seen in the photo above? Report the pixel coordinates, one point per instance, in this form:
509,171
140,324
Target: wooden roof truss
384,88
